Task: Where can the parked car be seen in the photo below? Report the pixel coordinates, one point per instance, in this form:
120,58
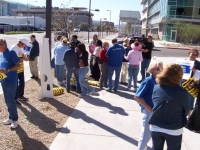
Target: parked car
76,30
1,30
41,29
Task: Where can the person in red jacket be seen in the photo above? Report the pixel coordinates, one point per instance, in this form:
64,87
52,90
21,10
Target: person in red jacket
104,65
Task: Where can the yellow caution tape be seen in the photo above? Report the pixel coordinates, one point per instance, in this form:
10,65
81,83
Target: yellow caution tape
193,91
2,76
58,91
21,69
93,83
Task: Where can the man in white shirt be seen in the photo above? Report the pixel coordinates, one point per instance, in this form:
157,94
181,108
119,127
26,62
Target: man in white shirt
19,49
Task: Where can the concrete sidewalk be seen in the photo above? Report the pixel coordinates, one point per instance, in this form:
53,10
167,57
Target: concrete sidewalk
109,121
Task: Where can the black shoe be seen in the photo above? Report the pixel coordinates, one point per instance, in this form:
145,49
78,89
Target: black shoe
124,83
140,81
78,91
23,98
36,78
17,102
108,90
68,91
115,90
33,77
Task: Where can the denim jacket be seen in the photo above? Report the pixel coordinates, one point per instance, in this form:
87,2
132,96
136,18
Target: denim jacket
174,109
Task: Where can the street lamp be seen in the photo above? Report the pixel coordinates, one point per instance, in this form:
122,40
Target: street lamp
101,25
110,14
28,13
89,19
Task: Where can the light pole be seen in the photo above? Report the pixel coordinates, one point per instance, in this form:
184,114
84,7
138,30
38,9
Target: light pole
110,14
28,13
101,25
90,19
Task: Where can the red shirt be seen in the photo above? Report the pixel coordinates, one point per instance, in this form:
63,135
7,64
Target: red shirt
102,55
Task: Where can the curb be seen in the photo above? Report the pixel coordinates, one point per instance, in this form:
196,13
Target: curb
181,48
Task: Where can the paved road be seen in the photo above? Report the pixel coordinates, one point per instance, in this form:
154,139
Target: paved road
164,52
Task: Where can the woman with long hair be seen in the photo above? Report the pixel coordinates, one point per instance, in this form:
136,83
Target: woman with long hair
104,65
83,63
171,107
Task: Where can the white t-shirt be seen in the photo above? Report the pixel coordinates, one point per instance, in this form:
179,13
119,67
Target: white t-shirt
166,131
97,51
19,51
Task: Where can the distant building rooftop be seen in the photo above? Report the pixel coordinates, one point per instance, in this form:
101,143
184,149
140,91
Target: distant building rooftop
126,15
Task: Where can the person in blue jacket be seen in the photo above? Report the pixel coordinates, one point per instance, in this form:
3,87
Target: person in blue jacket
115,55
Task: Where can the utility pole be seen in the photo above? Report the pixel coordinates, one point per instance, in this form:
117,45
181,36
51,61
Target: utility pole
49,22
89,21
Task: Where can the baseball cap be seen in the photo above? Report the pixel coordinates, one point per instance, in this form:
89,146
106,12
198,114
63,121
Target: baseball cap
65,41
24,40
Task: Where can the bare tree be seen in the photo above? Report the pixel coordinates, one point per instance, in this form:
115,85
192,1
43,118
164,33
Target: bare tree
128,27
64,20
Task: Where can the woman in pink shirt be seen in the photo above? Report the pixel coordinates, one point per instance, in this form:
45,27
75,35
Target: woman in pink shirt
134,58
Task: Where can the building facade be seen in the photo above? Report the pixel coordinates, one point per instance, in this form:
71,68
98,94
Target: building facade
80,15
159,16
6,7
132,17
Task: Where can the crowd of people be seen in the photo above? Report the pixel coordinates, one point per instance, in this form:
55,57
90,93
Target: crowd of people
165,105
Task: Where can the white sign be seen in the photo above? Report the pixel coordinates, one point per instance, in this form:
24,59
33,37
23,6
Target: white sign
187,67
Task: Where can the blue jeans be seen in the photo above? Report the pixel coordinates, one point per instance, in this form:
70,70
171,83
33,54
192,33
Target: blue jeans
144,66
159,138
85,88
69,72
145,131
110,74
59,72
132,74
9,91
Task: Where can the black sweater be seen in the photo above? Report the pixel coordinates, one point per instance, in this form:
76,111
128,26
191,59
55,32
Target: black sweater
35,50
84,56
71,59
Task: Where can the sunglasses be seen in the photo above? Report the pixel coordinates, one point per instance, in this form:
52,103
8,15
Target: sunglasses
157,69
194,54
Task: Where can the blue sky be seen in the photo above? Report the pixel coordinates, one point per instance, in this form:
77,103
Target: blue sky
103,5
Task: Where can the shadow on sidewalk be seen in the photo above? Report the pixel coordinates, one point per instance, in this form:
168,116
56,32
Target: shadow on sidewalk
37,118
77,114
27,142
102,103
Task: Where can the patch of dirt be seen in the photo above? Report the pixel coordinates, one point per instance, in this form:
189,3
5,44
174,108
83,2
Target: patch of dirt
39,120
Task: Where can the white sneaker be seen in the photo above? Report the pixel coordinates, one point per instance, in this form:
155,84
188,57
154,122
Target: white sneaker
14,124
7,122
82,96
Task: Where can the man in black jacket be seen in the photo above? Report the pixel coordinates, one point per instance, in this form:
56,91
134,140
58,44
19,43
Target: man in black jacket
72,65
75,40
33,57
